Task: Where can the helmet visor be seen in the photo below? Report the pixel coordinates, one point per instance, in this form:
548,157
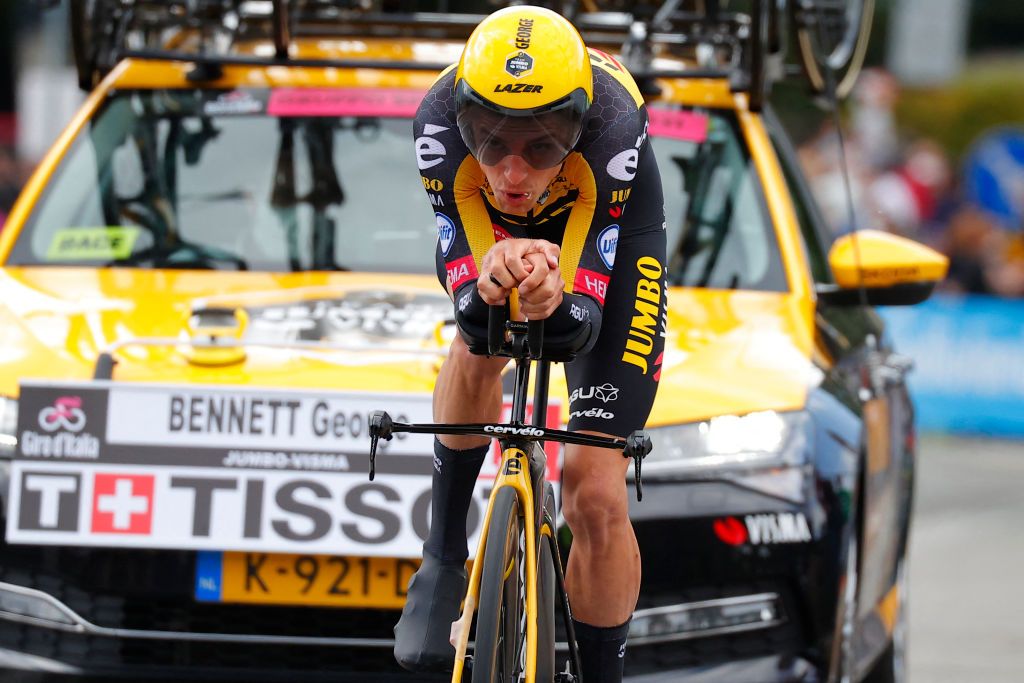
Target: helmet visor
543,136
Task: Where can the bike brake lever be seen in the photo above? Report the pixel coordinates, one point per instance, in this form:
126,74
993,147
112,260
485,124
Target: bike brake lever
638,445
381,427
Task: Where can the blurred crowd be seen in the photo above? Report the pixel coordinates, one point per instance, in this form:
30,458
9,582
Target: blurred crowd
911,187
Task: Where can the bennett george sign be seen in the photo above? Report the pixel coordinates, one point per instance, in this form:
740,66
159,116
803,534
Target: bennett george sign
224,468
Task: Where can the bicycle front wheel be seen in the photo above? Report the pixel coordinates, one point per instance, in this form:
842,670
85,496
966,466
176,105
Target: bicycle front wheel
500,630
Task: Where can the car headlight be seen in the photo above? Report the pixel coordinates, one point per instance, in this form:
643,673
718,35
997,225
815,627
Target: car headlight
8,426
767,451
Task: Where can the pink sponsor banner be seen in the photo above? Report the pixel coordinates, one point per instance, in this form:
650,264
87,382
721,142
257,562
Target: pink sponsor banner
395,102
678,124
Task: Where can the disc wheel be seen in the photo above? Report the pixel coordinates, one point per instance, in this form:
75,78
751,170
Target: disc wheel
500,633
832,36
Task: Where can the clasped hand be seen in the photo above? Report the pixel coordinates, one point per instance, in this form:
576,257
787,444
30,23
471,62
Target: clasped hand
528,265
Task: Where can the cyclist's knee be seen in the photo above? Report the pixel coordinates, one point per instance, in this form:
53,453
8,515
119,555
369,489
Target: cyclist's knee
471,366
594,498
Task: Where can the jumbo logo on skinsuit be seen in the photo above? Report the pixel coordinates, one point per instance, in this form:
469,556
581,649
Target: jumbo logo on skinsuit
647,306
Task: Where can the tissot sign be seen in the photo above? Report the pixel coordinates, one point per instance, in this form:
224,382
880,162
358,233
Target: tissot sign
195,467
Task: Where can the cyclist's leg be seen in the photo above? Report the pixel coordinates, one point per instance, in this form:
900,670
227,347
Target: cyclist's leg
612,390
468,389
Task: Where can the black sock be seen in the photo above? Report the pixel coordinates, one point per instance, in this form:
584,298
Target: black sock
602,651
455,474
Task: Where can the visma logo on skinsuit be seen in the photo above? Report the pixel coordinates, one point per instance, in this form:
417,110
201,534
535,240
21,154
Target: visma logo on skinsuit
607,243
445,232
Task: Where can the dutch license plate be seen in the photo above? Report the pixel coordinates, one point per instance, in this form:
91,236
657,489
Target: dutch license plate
323,580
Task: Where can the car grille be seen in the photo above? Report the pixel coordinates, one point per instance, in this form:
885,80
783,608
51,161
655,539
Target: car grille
153,591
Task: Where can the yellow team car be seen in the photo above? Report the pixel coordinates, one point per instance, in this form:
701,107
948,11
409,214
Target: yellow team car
226,262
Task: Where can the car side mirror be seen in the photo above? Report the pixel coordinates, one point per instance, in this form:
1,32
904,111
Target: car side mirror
893,270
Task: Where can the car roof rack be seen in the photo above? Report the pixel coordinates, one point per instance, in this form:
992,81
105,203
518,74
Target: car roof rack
696,38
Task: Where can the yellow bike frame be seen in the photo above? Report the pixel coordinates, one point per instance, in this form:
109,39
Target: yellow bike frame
513,471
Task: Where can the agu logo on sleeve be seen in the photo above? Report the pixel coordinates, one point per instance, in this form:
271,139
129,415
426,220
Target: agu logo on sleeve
607,243
122,504
445,232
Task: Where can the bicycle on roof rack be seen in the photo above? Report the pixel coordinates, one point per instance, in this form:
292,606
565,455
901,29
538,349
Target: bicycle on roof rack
745,40
517,570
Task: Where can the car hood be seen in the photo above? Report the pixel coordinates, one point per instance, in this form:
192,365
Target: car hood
726,352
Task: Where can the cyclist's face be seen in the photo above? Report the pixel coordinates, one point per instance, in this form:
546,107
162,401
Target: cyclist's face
516,184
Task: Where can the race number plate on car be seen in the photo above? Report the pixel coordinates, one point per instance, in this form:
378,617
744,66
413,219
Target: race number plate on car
303,579
222,468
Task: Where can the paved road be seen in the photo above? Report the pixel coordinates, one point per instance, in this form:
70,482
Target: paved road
967,563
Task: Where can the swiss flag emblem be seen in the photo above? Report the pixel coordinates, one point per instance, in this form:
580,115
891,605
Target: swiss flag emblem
122,504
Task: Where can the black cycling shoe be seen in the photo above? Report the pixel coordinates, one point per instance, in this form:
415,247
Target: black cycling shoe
432,604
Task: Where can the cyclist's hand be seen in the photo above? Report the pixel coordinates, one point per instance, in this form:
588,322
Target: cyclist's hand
541,292
504,266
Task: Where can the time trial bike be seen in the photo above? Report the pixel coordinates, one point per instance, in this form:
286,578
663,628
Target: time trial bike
517,572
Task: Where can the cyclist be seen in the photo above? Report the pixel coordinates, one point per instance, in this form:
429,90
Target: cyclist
534,152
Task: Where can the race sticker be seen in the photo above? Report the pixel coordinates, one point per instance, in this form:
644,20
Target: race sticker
215,468
396,102
104,243
678,124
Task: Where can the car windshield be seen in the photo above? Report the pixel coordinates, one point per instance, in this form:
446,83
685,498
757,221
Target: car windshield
719,234
216,179
246,180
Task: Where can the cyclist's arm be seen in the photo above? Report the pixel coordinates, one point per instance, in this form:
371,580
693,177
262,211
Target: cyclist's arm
620,195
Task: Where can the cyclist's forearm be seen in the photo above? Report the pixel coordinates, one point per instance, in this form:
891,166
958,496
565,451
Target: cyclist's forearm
576,321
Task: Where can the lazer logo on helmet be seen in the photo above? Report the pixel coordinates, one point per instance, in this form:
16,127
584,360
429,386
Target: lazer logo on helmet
517,87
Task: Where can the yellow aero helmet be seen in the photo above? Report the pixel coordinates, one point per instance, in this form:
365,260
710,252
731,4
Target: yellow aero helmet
522,87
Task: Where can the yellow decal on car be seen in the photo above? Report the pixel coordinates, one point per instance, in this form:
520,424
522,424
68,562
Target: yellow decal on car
76,244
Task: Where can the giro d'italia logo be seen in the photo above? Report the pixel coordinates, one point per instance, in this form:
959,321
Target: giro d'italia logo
519,64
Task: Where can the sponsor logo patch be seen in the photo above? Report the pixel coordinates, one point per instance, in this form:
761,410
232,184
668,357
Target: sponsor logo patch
519,64
605,393
607,243
593,412
767,529
461,271
624,164
517,87
646,310
430,151
65,413
122,504
589,282
445,232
